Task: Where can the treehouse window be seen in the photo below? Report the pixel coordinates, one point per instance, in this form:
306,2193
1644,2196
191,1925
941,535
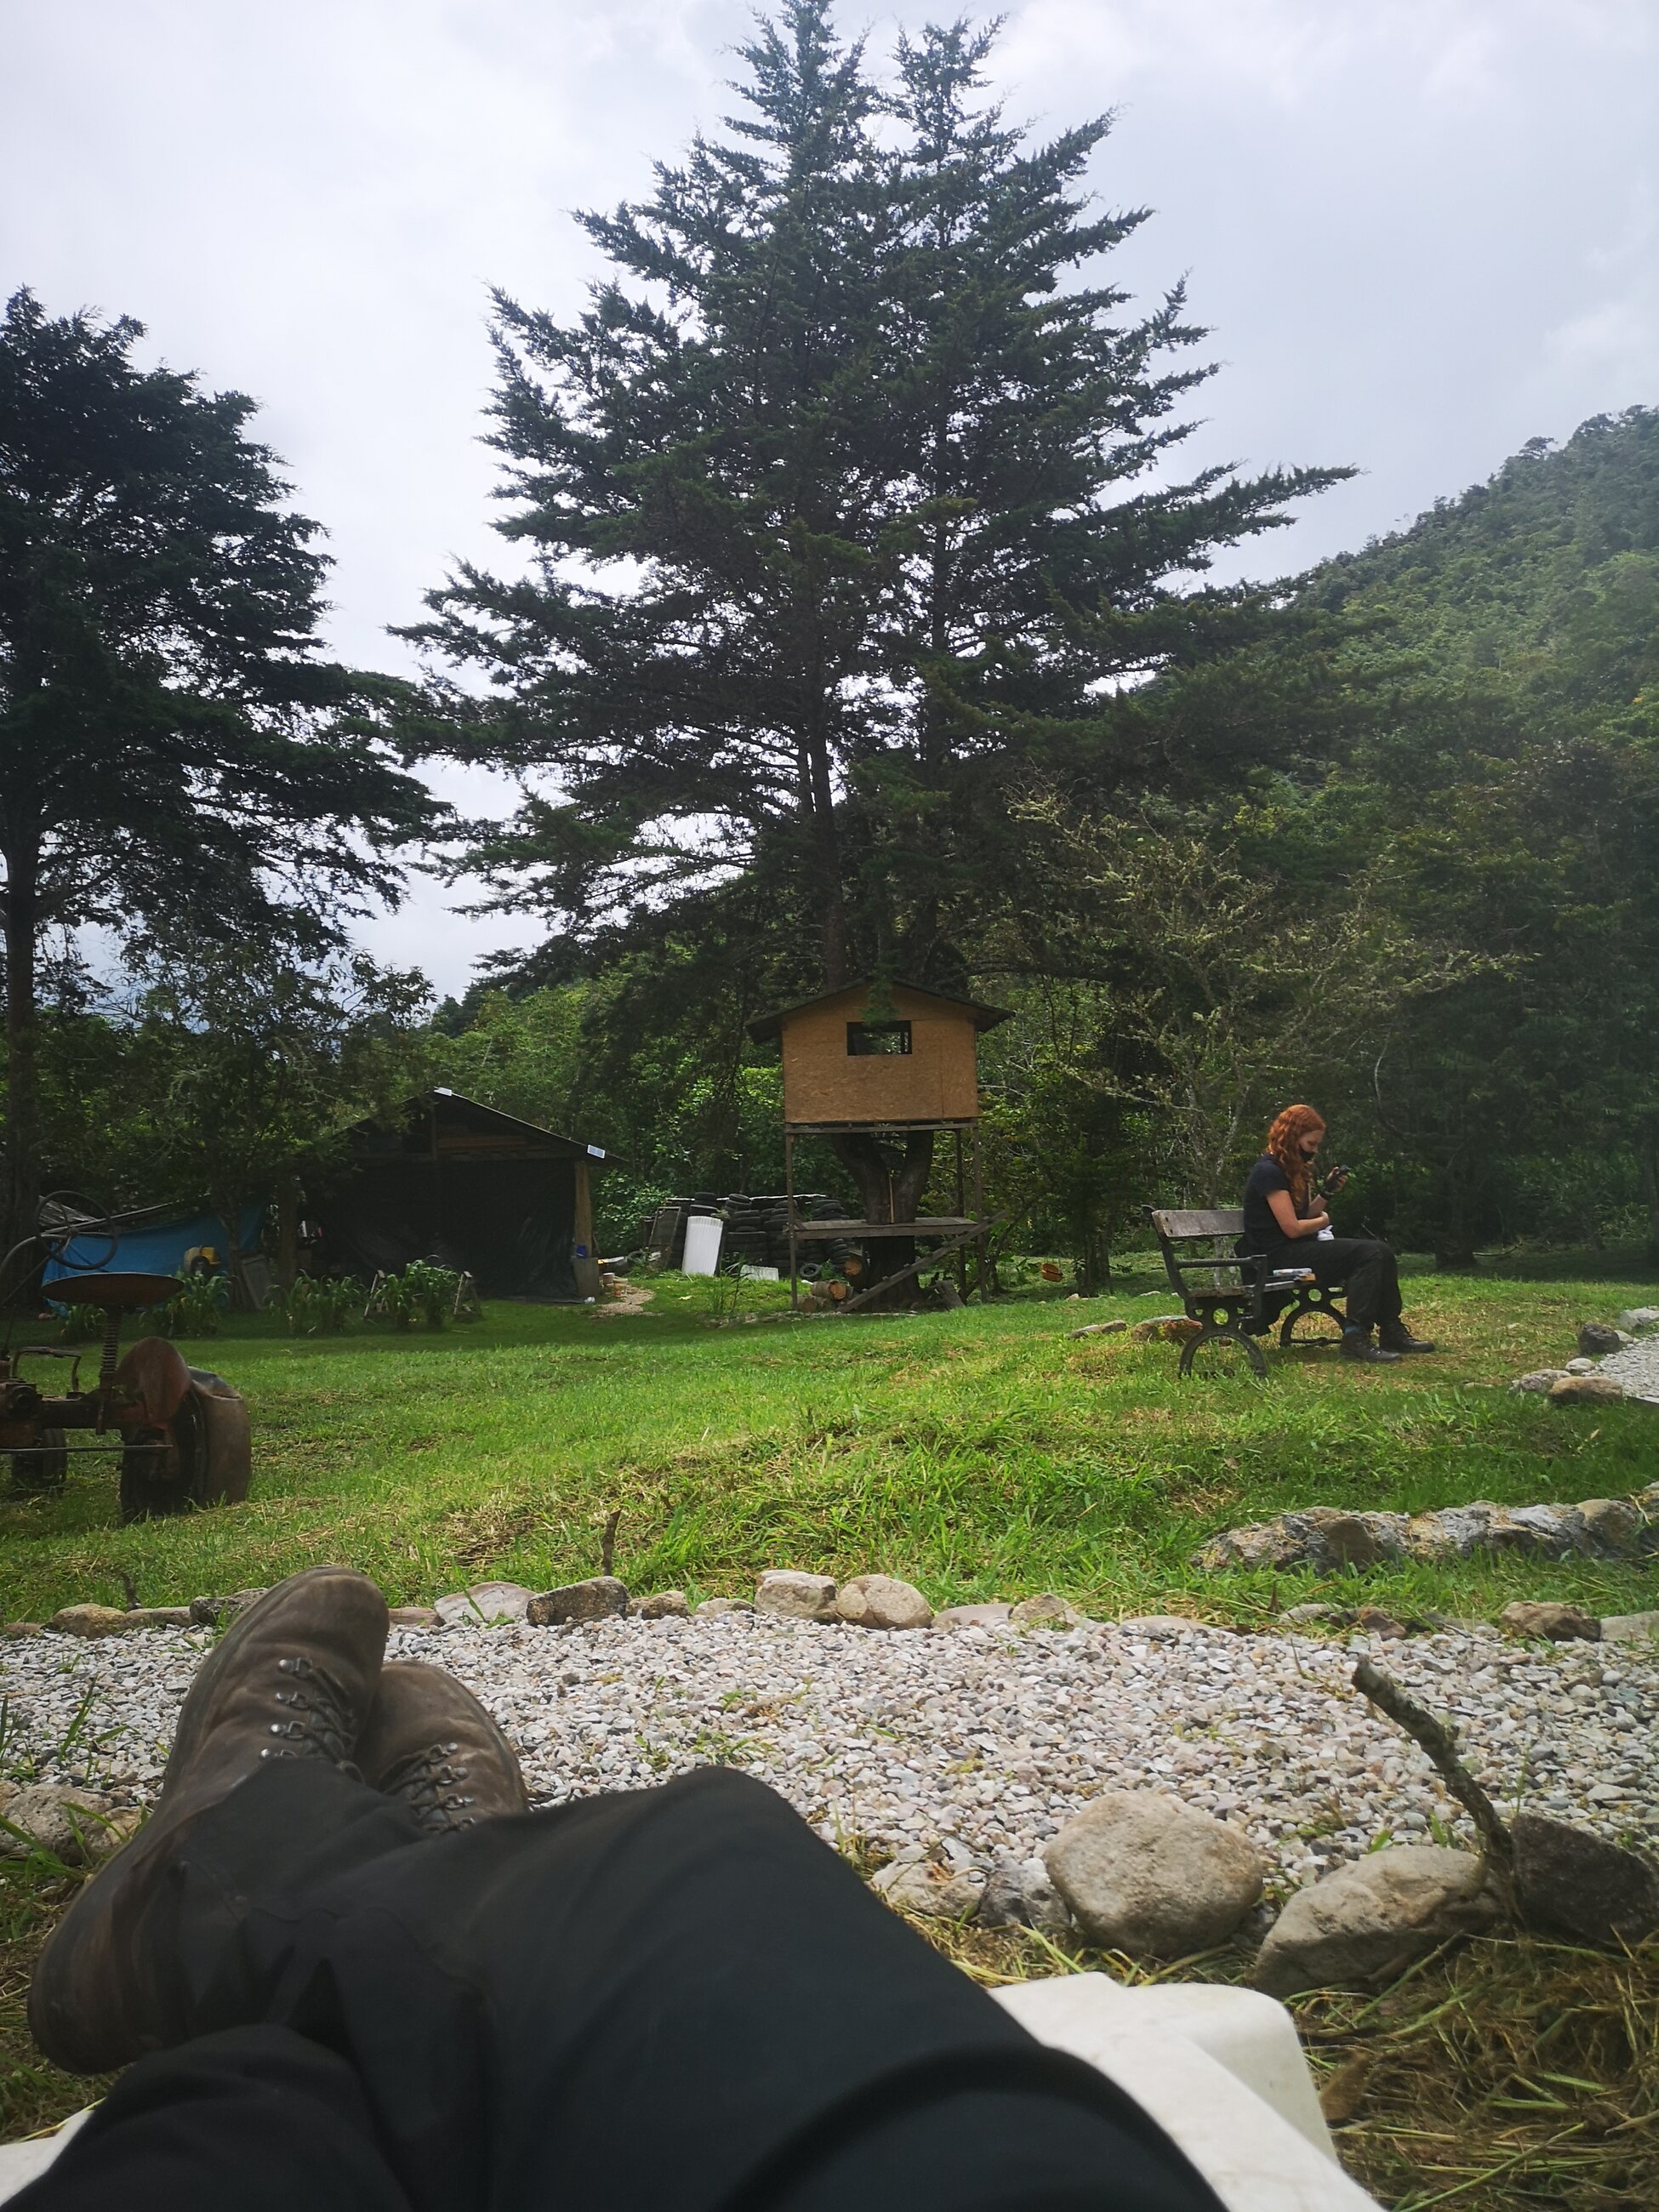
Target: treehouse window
864,1039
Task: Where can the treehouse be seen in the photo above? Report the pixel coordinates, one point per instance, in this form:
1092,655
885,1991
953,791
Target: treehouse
879,1072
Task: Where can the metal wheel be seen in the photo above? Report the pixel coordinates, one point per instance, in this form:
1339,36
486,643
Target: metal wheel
1215,1354
43,1467
1314,1323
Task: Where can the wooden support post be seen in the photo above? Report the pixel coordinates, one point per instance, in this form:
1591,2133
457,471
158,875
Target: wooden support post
794,1241
584,1258
961,1207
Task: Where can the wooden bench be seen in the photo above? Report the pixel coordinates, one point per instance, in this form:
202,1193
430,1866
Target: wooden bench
1236,1299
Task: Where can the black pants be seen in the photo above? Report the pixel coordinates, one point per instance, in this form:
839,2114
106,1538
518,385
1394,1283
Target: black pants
1363,1267
676,1995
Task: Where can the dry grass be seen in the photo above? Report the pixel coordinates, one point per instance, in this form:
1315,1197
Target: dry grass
1504,2075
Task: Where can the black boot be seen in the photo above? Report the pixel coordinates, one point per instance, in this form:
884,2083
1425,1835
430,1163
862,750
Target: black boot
430,1744
292,1678
1395,1336
1357,1345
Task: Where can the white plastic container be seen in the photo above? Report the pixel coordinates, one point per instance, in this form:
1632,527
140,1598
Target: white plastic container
703,1232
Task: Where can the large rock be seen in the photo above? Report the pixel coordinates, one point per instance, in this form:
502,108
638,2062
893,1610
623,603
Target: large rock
1636,1318
1324,1537
1046,1611
1168,1328
882,1601
992,1615
664,1605
1586,1390
916,1883
793,1595
1596,1339
1019,1893
483,1604
414,1616
1367,1922
723,1608
92,1620
1612,1525
73,1824
1099,1328
1560,1624
1580,1885
1540,1382
220,1612
1629,1627
601,1597
1143,1873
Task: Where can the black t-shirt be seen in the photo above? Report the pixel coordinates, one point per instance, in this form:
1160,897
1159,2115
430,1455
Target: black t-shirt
1262,1232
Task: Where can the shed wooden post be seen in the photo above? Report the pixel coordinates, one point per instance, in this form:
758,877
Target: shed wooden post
585,1262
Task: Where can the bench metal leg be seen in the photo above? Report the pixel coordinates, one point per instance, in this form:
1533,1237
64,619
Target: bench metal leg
1222,1335
1319,1309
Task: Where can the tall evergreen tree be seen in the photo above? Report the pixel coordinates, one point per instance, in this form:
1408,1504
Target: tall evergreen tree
831,516
173,747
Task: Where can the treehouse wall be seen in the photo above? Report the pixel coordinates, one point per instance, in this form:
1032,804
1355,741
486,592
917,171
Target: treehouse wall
937,1080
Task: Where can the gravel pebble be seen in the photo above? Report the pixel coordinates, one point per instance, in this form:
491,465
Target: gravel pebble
981,1738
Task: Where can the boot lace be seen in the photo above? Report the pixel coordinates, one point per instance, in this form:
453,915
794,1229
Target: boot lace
318,1723
428,1781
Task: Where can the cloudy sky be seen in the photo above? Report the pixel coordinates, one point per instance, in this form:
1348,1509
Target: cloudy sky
1421,231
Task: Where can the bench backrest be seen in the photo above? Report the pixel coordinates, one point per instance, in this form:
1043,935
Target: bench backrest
1175,1224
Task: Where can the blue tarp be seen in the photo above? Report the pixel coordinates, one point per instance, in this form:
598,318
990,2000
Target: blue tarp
158,1249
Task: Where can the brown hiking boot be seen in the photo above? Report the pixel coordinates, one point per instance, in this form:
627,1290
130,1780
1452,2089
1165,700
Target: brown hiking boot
292,1678
431,1745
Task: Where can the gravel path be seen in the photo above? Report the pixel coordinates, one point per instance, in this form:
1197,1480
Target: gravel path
980,1735
1637,1367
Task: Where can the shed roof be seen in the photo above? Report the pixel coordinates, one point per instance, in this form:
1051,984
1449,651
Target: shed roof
984,1017
458,1111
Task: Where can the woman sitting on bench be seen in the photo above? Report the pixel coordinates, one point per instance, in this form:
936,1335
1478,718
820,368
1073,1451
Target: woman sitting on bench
1285,1221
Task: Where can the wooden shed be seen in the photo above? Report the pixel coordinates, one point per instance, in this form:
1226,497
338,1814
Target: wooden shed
508,1202
908,1060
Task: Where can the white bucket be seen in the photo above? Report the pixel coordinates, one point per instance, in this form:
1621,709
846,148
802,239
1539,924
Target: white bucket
703,1232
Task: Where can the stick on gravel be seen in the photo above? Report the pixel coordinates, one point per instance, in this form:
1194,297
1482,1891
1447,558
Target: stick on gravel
1439,1744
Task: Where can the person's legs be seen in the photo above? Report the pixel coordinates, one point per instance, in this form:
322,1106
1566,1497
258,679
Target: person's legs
688,1967
258,2118
1364,1269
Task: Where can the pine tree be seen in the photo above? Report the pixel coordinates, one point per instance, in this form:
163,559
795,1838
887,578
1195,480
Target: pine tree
173,749
831,515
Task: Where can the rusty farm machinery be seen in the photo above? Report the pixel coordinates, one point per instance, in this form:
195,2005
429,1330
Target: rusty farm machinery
181,1432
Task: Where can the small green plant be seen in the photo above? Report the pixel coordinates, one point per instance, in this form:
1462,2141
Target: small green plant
195,1307
422,1290
320,1306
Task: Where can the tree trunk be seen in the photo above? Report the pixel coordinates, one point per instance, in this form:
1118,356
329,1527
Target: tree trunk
818,797
21,1196
1649,1154
891,1186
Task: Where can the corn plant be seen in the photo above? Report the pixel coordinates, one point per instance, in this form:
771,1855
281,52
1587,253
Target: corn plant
320,1306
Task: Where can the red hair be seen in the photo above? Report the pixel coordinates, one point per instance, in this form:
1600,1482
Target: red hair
1284,1143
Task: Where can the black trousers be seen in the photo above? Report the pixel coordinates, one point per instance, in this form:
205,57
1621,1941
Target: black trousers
674,1996
1363,1267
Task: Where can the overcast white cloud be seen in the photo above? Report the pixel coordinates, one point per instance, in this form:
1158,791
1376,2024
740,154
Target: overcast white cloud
1422,231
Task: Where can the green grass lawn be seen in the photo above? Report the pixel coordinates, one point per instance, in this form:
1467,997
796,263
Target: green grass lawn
979,1453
